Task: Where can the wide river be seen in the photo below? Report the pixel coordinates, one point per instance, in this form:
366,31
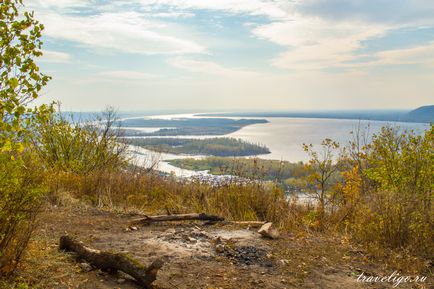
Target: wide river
285,137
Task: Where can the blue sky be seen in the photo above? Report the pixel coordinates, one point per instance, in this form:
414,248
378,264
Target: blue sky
238,54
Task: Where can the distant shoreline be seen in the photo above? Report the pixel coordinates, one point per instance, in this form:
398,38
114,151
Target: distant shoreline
386,116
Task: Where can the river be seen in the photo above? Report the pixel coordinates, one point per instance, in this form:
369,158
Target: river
283,136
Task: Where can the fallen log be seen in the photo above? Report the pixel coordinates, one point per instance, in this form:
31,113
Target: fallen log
179,217
252,224
113,261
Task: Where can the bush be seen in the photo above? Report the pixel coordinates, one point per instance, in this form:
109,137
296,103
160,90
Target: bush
21,178
78,147
395,208
21,188
88,151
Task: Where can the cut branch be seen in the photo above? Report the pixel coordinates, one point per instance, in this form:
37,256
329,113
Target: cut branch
180,217
113,261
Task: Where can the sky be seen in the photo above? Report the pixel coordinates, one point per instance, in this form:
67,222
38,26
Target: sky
233,55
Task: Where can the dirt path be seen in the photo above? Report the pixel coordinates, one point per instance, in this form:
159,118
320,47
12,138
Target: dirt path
198,256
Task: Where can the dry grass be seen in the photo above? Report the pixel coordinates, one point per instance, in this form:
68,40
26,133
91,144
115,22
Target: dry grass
149,193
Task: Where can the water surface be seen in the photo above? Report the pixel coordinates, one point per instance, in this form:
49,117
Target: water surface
284,137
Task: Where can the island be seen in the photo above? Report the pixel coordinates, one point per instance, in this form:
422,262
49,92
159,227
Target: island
184,126
210,147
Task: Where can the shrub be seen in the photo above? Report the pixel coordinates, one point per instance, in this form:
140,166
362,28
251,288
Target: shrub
88,151
77,147
21,180
21,187
395,210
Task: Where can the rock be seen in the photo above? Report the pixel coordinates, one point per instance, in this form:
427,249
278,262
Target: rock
85,267
192,240
133,228
220,248
268,231
170,231
121,281
218,240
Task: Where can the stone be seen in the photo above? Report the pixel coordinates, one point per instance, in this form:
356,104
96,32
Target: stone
220,248
218,240
85,267
268,231
121,281
192,240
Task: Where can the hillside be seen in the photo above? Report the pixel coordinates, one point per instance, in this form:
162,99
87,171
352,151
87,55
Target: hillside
421,114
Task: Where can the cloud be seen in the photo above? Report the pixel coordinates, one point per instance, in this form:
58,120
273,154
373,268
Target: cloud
419,55
209,67
313,38
272,9
124,31
58,4
171,14
55,57
423,54
127,75
402,12
314,43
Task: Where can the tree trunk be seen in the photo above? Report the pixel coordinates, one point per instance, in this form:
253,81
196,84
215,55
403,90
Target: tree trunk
113,261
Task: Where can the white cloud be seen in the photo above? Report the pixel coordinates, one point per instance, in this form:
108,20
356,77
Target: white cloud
55,57
63,4
315,43
423,54
127,75
402,12
273,9
209,67
171,14
314,34
126,31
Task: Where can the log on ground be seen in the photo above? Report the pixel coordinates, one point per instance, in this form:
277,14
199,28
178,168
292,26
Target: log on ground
252,224
178,217
113,261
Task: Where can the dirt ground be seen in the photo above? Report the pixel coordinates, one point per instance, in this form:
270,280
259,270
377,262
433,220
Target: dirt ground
197,255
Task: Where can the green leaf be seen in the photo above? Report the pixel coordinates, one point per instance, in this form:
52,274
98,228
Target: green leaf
13,82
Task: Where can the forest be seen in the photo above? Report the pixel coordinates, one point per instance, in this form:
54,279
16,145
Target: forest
209,146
